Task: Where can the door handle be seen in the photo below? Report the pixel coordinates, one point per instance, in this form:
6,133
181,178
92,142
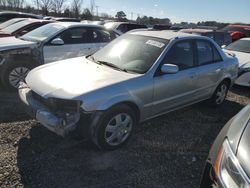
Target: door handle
218,70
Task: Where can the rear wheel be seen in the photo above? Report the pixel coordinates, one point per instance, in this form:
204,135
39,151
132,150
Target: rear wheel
13,74
220,93
115,127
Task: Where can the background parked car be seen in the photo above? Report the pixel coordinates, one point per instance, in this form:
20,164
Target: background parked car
220,37
228,161
52,42
63,19
123,27
161,27
241,48
5,16
237,31
22,27
10,22
136,77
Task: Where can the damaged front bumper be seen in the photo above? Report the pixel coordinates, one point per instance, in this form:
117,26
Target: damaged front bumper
59,124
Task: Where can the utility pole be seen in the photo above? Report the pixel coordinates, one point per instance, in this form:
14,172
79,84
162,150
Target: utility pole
92,6
132,14
97,10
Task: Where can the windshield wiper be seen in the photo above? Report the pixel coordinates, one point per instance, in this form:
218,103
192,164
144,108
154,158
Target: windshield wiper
93,59
112,65
106,63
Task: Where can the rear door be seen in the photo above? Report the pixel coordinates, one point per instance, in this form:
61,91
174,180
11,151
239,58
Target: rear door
175,90
76,43
210,67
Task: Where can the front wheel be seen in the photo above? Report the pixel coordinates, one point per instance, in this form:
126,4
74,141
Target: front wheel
220,94
115,127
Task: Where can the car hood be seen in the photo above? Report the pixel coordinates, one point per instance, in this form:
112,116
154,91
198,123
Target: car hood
243,151
8,43
244,58
72,78
237,126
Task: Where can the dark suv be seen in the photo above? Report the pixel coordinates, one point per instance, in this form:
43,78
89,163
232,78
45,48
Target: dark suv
220,37
5,16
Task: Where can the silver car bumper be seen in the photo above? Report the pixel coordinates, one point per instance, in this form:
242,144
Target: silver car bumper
41,113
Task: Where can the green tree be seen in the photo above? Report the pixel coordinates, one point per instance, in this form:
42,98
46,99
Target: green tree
121,16
87,14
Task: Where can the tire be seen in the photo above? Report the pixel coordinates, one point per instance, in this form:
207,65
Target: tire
220,94
114,127
13,73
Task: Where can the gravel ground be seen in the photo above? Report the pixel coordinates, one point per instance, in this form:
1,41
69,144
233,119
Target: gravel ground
168,151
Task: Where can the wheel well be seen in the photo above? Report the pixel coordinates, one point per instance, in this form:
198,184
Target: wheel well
134,107
228,80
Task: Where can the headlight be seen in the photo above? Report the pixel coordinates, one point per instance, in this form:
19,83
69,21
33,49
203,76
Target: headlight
228,169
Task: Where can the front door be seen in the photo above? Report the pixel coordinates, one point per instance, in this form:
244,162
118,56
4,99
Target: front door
175,90
78,42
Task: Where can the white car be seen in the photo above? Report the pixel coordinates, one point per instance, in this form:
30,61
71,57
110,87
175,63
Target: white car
52,42
241,48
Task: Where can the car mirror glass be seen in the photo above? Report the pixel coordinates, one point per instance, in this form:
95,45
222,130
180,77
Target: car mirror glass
169,68
57,41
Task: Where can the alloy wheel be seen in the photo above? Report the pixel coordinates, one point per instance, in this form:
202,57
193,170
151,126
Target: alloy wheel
18,75
221,94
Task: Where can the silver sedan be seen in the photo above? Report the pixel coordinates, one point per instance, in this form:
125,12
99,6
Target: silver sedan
136,77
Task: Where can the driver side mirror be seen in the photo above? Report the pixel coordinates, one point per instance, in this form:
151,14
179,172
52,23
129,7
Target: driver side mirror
57,41
169,69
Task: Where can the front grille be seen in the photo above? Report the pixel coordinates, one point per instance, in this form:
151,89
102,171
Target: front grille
58,105
40,98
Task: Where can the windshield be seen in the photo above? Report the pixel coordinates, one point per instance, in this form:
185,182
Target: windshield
132,53
14,27
42,33
240,46
10,22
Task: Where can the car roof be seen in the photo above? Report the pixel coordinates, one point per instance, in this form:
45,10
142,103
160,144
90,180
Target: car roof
75,24
32,20
196,30
166,34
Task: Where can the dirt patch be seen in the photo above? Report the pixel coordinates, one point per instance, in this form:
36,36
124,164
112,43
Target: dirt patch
168,151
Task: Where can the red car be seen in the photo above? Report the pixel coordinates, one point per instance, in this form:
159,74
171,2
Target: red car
22,27
238,31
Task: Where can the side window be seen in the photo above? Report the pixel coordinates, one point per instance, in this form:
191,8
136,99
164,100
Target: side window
217,56
77,36
181,54
204,52
100,36
122,28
